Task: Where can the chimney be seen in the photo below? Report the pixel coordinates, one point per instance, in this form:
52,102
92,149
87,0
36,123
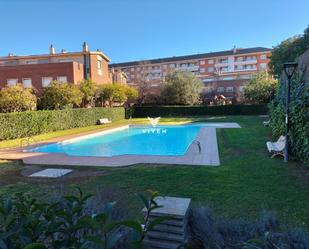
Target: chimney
85,47
52,50
63,51
234,49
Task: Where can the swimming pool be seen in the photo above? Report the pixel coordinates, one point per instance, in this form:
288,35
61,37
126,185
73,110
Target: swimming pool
133,140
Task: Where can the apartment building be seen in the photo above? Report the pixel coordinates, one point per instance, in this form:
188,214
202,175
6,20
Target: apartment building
38,71
222,73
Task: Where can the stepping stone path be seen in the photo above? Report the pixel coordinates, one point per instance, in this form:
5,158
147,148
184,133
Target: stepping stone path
51,173
172,233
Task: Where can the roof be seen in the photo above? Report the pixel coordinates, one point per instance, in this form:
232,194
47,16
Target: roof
194,56
67,54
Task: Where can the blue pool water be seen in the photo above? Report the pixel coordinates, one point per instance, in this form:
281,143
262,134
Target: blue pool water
160,141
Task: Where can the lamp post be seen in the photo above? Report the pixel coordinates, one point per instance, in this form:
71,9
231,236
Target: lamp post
289,69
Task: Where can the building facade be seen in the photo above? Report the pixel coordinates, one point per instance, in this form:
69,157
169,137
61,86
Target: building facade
222,73
38,71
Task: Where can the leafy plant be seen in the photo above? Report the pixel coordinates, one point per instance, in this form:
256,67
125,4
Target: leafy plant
260,89
88,89
60,95
27,223
17,99
182,88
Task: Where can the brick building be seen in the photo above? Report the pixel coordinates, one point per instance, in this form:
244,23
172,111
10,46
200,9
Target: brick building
38,71
222,73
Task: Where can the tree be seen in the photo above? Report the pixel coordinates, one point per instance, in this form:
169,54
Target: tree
60,96
260,89
88,89
287,51
17,99
182,88
131,93
111,94
115,93
142,82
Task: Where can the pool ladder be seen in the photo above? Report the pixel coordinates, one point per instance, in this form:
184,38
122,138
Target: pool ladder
27,141
198,143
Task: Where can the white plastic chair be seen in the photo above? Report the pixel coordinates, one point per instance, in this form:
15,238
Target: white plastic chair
277,148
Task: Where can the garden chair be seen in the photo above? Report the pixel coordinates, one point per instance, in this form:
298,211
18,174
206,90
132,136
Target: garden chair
104,121
266,123
277,148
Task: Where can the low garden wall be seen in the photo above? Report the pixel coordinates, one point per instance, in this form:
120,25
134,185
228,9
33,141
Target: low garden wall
165,111
23,124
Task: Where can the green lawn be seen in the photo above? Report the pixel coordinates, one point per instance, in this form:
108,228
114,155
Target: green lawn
247,182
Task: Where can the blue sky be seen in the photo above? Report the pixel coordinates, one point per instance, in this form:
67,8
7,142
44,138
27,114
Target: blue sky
128,30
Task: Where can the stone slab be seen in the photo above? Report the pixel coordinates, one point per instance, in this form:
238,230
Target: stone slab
51,173
172,206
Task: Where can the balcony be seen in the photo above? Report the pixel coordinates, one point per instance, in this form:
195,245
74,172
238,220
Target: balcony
243,62
188,69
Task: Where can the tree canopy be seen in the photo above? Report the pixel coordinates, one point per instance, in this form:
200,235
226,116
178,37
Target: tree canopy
17,99
115,93
287,51
88,89
61,96
260,89
182,88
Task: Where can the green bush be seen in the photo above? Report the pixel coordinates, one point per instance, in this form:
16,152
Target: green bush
23,124
69,223
17,99
260,89
60,96
299,116
181,88
165,111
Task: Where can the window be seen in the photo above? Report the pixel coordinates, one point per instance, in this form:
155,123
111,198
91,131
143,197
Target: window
164,66
211,61
229,89
62,79
27,83
99,65
210,69
241,88
32,62
263,57
202,70
208,80
220,89
12,82
202,62
172,65
228,78
132,69
46,81
263,65
224,69
223,60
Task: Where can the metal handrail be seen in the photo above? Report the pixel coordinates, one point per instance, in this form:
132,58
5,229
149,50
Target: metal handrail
198,143
28,141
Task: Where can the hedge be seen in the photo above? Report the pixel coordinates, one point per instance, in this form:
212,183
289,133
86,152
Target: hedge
23,124
164,111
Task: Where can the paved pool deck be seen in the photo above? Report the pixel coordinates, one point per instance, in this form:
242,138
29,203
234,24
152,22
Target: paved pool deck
209,155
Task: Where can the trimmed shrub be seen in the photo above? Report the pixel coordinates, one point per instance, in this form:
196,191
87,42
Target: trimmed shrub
18,125
299,116
165,111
